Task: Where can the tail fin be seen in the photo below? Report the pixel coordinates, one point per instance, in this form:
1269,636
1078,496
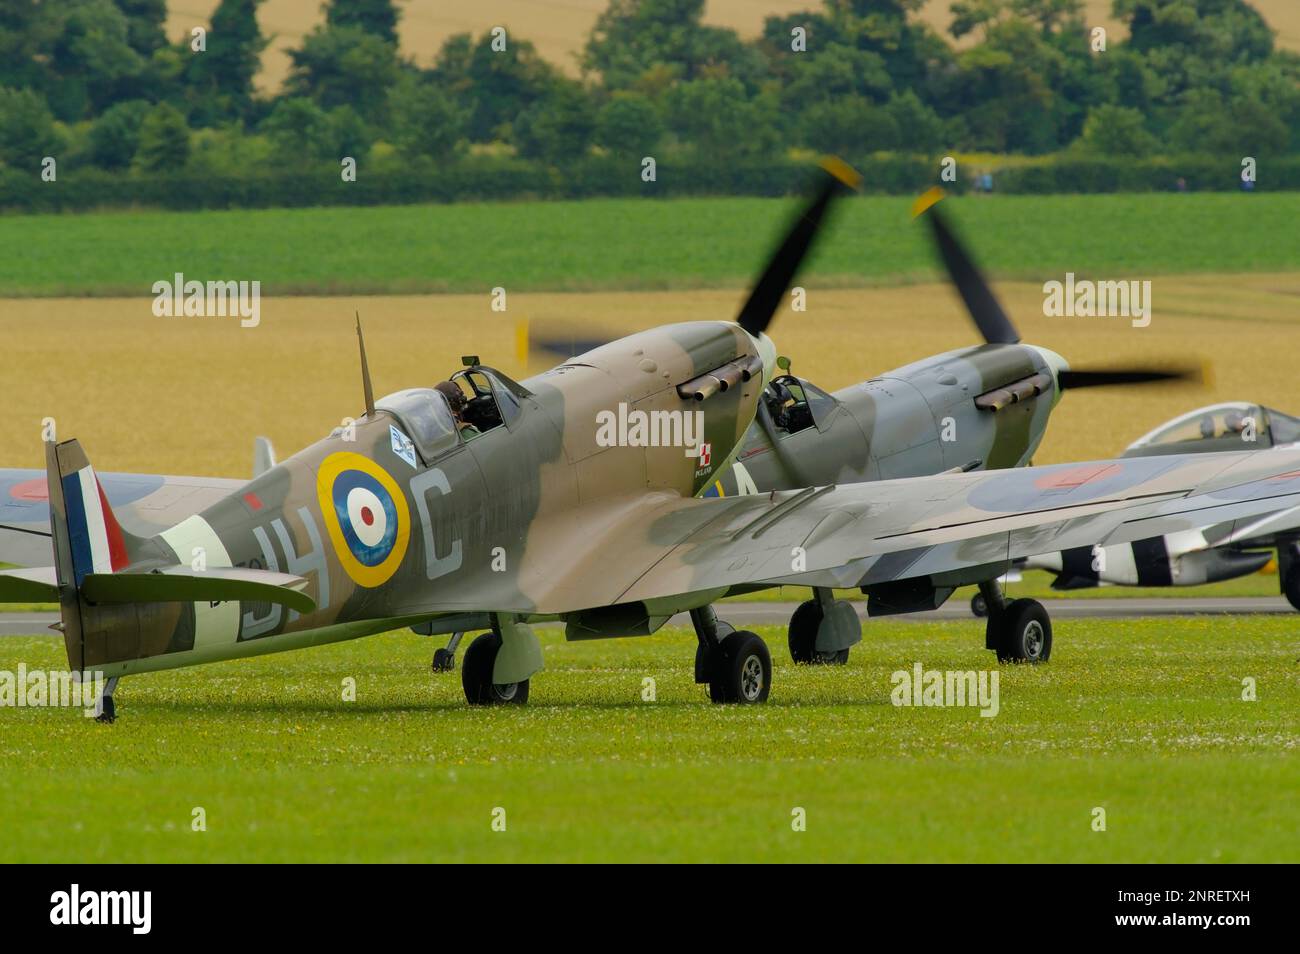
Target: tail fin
87,536
96,542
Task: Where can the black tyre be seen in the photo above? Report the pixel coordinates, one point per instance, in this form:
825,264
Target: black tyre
802,634
1291,588
802,637
476,675
1024,632
979,606
742,670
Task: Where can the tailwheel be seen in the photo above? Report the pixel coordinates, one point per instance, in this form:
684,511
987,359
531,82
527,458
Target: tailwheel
105,709
444,660
1021,632
742,670
476,675
802,637
979,606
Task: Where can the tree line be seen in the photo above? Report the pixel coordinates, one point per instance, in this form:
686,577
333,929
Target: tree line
97,83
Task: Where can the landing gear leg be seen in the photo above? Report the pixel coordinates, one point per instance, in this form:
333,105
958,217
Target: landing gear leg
735,663
987,602
444,660
1019,631
105,711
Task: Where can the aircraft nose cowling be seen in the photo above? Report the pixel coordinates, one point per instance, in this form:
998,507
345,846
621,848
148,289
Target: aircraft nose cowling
1056,364
767,353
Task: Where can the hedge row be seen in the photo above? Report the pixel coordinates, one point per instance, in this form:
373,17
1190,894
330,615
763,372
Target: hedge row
487,179
1198,174
463,181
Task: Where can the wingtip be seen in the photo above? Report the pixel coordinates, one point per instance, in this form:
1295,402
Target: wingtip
926,201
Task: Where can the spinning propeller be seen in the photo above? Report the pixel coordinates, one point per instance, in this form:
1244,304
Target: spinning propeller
992,321
835,178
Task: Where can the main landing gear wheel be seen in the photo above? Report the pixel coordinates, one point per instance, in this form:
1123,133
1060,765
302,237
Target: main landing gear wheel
1291,586
476,675
979,606
742,670
802,637
1021,632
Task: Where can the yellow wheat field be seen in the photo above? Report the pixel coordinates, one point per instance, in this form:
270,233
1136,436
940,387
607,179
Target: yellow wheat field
559,28
188,395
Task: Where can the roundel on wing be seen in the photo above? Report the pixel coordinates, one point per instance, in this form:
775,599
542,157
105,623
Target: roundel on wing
366,516
1011,491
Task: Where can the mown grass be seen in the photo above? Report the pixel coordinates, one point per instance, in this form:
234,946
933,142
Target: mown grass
1144,719
632,243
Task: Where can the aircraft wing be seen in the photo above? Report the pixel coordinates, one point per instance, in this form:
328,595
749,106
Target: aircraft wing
956,525
146,504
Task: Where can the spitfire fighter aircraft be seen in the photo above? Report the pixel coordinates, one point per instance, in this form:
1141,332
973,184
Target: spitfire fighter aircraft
975,408
575,496
1210,554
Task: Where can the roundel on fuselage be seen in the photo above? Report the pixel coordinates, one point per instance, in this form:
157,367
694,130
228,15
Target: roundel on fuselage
366,516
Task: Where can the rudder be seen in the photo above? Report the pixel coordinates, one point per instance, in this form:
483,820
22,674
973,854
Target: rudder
87,536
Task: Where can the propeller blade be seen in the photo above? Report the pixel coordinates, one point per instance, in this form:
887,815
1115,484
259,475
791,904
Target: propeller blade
559,339
1071,379
974,289
837,178
568,347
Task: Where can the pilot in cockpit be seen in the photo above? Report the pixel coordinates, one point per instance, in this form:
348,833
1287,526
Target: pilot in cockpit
456,401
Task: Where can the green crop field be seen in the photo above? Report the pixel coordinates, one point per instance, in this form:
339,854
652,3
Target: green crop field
633,243
1144,719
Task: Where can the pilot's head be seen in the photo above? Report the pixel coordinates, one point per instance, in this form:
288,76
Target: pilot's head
454,395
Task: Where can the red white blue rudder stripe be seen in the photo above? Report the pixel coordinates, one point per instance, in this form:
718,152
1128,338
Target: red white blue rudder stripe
94,535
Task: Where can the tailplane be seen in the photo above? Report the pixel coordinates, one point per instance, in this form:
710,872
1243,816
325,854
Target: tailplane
99,565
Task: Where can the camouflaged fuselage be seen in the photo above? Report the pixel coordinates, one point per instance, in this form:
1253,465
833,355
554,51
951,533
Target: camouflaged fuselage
916,420
381,533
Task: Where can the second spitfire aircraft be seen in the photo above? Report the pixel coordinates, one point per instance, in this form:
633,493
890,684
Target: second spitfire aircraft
1211,554
565,507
